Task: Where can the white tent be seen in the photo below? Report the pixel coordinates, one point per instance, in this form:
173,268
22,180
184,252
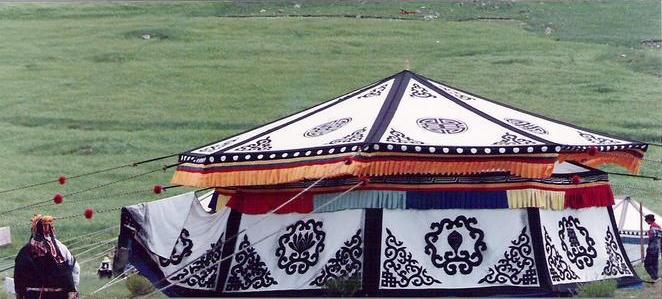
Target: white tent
631,226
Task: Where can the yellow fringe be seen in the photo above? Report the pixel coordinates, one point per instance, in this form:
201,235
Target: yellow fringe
535,198
357,168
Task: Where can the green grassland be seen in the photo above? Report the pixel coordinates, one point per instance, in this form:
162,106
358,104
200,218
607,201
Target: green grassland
81,90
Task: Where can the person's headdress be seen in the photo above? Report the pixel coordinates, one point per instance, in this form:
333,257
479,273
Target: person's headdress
42,242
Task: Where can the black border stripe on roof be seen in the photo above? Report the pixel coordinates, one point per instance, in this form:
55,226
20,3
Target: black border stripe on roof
347,96
482,114
531,113
389,107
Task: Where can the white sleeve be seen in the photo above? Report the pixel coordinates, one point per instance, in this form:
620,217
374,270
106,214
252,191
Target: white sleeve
69,258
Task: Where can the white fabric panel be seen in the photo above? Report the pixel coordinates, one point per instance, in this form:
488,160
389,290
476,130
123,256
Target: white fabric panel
543,128
163,221
407,230
565,167
212,148
273,260
586,254
423,114
198,245
347,122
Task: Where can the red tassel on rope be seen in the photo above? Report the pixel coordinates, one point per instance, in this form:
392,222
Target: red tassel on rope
576,179
58,198
89,213
158,189
592,150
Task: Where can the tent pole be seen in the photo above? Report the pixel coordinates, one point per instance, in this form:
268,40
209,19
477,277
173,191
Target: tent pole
641,229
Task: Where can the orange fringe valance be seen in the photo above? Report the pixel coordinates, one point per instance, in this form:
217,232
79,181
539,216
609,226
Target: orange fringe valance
630,160
540,168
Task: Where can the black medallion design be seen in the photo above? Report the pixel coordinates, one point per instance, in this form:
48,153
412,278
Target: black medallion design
299,248
578,254
327,127
517,266
442,125
395,136
511,139
615,263
353,137
202,273
399,269
559,270
346,263
249,271
458,257
527,126
260,145
176,258
375,92
420,92
595,139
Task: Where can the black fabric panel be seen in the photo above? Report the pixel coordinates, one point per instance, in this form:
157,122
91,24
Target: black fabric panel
231,234
388,108
538,248
372,236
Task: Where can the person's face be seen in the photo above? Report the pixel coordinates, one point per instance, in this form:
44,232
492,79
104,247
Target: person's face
648,221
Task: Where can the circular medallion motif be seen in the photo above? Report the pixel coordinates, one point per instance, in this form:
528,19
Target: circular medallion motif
327,127
442,125
526,126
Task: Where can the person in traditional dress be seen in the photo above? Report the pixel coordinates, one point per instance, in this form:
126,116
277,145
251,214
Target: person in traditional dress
653,250
44,267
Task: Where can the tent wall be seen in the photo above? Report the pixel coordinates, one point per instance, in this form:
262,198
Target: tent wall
444,252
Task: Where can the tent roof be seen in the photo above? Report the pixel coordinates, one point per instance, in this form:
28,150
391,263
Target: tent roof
410,117
626,213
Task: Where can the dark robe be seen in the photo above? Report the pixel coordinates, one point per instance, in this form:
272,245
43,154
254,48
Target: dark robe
41,273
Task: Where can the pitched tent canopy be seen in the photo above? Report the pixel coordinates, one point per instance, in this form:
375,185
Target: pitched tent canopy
404,124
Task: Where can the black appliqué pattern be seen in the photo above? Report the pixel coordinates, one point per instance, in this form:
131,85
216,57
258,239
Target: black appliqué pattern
202,273
442,125
249,272
399,269
327,127
375,92
176,258
299,248
346,263
517,265
558,268
577,253
457,94
510,139
353,137
615,263
260,145
214,147
399,137
595,139
527,126
452,260
420,92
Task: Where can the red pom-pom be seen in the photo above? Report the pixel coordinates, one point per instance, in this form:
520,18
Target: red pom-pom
158,189
348,162
89,213
576,179
62,180
592,150
58,199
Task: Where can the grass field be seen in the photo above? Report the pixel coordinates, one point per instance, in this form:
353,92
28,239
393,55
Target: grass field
81,90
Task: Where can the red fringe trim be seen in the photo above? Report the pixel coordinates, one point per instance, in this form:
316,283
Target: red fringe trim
596,196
